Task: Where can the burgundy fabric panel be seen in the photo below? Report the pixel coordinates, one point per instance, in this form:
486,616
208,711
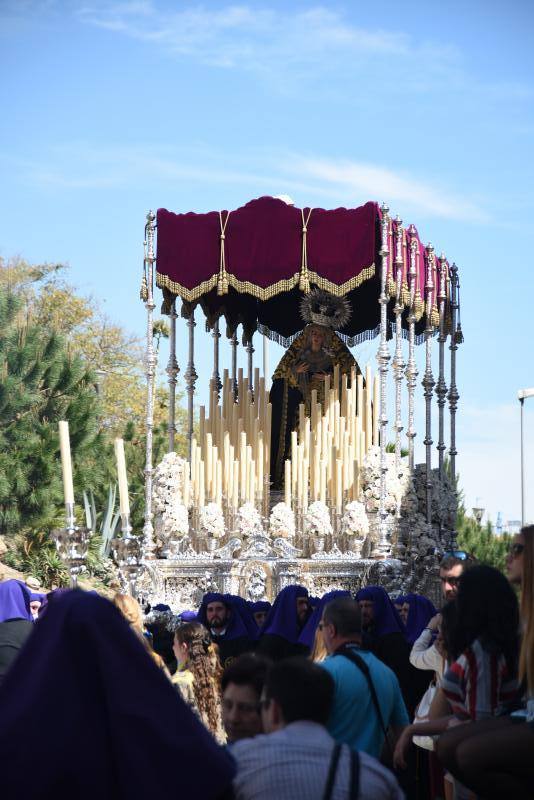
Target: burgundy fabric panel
263,243
188,246
341,243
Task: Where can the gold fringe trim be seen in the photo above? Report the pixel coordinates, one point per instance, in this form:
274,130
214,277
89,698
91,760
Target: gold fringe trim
339,291
260,292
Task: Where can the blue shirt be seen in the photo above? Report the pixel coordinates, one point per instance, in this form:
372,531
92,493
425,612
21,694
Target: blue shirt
353,719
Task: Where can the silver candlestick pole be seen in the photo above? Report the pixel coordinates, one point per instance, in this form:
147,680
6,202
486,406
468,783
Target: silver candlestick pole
127,553
411,368
383,546
441,386
250,359
216,378
428,379
72,544
453,395
234,343
398,360
148,527
191,379
172,371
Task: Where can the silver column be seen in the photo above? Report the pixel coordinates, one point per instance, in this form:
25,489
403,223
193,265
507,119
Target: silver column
233,342
216,378
411,368
266,361
383,545
398,360
453,395
250,357
172,371
441,386
428,379
190,378
150,366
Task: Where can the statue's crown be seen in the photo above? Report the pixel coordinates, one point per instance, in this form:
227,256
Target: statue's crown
322,308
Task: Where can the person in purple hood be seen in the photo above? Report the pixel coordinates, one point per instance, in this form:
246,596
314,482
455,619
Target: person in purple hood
221,614
260,609
385,636
115,727
420,611
279,636
15,622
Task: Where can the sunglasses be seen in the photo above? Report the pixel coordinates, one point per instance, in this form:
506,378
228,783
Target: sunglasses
450,581
516,550
461,554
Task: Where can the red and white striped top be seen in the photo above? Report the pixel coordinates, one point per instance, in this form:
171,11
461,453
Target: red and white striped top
478,683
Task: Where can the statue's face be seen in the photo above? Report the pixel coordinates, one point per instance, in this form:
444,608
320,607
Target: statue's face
317,337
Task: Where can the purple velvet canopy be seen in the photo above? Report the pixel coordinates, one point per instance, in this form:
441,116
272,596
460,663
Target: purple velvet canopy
254,264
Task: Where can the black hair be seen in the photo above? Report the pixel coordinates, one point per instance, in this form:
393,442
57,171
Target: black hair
487,609
449,561
247,670
449,615
345,615
303,690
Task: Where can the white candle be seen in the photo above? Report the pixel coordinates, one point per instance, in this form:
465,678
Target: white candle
66,462
287,483
124,500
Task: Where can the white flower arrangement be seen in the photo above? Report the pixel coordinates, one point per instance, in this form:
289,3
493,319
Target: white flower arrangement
211,521
248,520
317,519
176,520
171,514
282,521
354,520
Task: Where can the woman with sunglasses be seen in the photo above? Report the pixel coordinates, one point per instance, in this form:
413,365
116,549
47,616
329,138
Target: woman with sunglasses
494,757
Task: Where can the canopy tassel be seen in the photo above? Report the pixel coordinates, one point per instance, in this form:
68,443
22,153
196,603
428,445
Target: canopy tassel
304,279
222,282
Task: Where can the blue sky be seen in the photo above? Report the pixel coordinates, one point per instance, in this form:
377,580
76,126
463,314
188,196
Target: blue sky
110,109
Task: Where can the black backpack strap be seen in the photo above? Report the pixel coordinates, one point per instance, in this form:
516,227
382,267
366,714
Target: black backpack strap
349,653
332,769
354,775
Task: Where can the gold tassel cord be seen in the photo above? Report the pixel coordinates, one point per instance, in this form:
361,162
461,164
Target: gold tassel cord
304,280
222,282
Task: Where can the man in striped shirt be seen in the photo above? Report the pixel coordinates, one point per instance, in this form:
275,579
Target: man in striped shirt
298,759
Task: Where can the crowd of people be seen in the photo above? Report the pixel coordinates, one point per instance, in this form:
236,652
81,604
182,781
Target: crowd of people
365,696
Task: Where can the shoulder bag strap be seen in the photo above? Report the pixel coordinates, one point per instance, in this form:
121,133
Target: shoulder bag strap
332,769
360,663
354,775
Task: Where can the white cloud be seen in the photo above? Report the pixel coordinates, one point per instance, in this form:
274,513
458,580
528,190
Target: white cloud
250,36
355,179
313,180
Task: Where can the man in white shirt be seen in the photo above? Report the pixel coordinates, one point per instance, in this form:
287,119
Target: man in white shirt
298,759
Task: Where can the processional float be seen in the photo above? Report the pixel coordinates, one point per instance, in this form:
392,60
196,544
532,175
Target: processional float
300,483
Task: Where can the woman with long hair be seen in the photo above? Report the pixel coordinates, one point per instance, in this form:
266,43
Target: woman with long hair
494,757
198,677
132,613
483,646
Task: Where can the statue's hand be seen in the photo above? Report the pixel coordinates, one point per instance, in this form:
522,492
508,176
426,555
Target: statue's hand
302,368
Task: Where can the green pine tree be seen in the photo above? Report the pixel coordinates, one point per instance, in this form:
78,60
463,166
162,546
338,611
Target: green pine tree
40,383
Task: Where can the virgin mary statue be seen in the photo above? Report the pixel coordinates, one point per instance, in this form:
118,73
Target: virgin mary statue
310,359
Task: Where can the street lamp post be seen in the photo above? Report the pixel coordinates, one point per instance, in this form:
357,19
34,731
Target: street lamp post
522,395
